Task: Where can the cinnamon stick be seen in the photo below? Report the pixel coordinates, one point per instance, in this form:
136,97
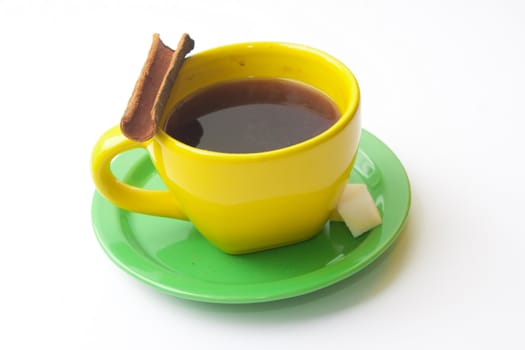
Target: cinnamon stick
153,87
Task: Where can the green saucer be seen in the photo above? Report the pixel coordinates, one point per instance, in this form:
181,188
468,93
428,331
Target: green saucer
172,256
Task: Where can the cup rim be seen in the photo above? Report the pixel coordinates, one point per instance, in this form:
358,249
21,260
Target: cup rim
346,116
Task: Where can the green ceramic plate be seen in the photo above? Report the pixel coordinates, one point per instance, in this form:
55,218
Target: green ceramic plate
173,257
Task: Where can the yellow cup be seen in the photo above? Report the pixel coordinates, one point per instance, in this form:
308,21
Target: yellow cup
246,202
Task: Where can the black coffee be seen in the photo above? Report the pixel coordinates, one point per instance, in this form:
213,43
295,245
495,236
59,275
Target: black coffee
251,115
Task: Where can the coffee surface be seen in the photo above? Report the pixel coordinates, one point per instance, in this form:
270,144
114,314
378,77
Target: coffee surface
251,115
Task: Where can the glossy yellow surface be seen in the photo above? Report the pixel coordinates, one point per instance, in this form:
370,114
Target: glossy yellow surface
246,202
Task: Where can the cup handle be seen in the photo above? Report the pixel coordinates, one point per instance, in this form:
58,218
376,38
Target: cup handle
131,198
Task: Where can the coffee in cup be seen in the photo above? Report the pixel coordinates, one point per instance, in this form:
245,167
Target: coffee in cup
251,115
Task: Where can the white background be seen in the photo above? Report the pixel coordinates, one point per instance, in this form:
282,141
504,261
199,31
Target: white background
442,84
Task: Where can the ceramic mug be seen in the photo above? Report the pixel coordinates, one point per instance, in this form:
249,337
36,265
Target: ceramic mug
253,201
